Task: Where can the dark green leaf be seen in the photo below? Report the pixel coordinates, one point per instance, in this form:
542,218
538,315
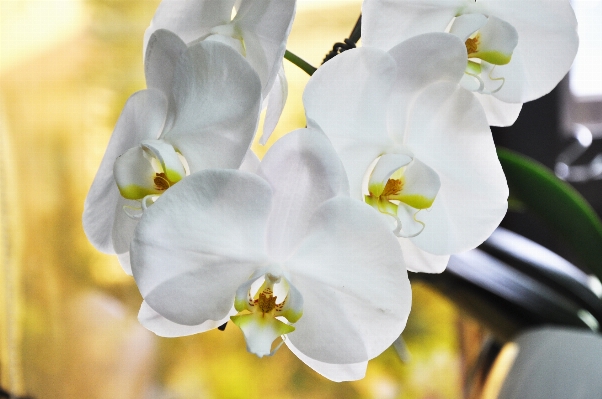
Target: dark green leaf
558,204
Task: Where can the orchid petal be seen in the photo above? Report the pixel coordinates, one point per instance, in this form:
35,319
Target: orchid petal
467,24
354,285
232,42
548,41
187,258
409,217
420,185
189,19
304,171
448,132
260,331
264,26
217,95
123,232
334,372
162,53
352,115
499,113
386,23
124,258
384,168
422,60
163,327
496,42
275,105
250,163
142,117
402,350
135,175
418,260
426,59
293,306
473,79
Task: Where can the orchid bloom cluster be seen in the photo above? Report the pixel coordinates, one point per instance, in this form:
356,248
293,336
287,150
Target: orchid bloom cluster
396,169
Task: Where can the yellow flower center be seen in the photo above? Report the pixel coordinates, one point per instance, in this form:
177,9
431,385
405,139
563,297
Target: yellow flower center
161,181
266,302
393,187
472,44
258,316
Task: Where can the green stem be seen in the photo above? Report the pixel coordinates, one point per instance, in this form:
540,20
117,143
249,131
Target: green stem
301,63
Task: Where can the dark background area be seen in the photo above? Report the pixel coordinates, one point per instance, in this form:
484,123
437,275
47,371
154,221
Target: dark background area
538,134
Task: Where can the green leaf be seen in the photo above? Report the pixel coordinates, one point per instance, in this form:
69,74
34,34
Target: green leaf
558,204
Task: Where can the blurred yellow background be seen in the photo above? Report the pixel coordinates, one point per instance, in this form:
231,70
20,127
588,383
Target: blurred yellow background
68,326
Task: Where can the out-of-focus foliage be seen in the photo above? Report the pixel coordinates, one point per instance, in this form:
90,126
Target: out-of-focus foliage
72,330
558,204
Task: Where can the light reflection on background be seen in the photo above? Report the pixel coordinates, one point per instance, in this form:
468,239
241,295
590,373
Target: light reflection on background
68,325
585,78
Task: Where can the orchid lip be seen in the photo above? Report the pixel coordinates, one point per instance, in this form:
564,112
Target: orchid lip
260,314
476,73
135,213
489,41
144,172
400,184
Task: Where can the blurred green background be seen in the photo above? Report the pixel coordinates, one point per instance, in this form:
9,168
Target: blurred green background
68,326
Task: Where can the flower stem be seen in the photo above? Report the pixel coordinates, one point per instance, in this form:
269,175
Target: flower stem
356,33
301,63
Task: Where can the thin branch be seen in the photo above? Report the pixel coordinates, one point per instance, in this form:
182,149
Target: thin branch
347,44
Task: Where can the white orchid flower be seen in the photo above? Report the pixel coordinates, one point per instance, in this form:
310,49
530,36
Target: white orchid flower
415,144
203,116
258,31
518,49
280,254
